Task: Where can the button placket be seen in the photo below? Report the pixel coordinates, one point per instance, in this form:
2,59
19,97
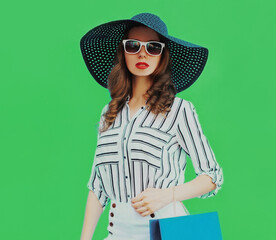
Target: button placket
126,164
125,147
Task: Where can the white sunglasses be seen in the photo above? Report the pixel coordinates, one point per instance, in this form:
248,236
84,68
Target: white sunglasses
133,46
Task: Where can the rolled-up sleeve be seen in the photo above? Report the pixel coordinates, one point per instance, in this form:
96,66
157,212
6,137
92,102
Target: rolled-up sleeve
95,183
193,141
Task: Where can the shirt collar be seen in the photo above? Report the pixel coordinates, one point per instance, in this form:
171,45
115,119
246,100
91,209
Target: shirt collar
128,97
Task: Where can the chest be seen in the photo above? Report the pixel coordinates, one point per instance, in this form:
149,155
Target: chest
133,110
143,138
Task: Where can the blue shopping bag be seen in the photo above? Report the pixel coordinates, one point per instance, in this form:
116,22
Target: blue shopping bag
190,227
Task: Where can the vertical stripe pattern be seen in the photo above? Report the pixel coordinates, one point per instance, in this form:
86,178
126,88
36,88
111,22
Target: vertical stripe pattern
150,151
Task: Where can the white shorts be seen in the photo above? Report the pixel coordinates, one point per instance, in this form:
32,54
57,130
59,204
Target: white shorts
125,223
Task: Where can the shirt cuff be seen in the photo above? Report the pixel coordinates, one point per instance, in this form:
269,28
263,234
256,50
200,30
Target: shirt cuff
217,178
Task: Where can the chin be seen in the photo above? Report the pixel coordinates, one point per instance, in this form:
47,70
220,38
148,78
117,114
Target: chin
144,73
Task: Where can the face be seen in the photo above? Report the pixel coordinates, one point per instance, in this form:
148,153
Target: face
144,34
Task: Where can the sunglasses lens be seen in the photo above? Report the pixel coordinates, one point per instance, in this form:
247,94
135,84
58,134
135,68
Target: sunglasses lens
132,46
154,48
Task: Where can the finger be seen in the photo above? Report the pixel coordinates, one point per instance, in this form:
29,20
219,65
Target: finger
141,209
139,204
146,213
137,198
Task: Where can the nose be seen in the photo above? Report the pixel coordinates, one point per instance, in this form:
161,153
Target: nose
143,51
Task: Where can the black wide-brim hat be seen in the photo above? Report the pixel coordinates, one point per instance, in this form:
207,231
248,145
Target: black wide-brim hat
99,46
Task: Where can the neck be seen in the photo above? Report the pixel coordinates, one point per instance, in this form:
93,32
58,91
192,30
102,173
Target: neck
140,84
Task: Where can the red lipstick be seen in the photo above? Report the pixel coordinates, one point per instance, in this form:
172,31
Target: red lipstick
142,65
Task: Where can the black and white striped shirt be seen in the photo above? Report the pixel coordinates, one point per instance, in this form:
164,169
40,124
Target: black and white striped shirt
150,151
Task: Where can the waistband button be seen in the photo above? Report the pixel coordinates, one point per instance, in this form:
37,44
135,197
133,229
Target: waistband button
152,215
113,205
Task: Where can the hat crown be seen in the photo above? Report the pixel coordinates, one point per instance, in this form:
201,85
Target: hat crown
152,21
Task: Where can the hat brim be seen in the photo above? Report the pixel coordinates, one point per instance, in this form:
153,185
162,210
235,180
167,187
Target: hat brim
99,46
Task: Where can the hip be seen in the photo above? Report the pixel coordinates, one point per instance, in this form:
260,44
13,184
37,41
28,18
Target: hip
125,222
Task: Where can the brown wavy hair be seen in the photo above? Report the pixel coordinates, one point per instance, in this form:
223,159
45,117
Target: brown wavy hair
160,95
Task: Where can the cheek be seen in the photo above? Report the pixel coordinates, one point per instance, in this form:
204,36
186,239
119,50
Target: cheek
128,60
156,62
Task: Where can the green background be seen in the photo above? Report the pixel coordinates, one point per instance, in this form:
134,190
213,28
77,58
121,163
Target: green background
50,106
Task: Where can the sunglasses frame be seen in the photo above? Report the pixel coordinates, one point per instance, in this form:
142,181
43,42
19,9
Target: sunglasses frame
143,44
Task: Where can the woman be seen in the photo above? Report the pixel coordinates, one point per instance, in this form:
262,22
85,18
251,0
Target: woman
145,132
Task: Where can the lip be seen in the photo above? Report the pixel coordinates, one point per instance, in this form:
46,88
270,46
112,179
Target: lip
141,65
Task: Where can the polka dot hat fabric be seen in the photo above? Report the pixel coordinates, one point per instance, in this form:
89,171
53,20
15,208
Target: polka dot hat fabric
99,46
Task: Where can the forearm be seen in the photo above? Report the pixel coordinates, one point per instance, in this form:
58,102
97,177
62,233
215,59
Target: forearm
198,186
92,214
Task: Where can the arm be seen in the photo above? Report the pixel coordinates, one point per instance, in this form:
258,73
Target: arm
92,214
96,200
197,187
192,139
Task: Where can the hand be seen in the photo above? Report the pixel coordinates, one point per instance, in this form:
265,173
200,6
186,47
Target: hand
151,200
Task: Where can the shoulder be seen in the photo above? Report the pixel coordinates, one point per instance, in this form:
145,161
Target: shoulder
186,111
183,104
104,109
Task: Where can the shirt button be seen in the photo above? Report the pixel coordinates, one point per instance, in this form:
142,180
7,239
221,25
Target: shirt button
124,156
111,224
113,205
124,138
112,214
128,195
152,215
126,176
